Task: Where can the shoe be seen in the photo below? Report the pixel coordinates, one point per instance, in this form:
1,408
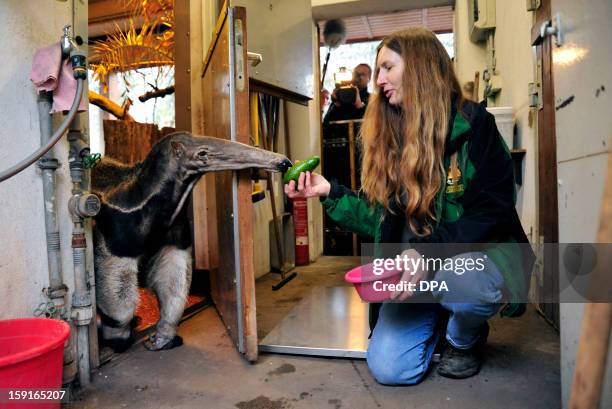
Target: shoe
462,363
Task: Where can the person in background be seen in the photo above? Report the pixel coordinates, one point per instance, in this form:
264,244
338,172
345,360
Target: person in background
325,97
355,109
435,173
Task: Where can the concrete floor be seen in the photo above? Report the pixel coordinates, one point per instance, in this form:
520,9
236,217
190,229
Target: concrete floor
521,369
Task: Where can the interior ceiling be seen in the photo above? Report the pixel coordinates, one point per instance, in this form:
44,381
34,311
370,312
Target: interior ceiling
365,19
329,9
376,26
104,15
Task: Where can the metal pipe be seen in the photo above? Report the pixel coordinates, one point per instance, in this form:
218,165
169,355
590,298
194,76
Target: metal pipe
12,171
82,204
57,290
48,164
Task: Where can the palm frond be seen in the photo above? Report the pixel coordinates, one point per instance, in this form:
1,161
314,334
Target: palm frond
132,49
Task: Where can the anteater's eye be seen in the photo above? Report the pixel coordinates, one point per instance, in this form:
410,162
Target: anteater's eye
202,154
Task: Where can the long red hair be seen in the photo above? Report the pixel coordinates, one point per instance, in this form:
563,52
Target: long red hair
404,147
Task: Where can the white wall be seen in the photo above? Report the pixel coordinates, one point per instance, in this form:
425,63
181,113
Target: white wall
469,57
516,67
27,26
304,137
515,64
305,141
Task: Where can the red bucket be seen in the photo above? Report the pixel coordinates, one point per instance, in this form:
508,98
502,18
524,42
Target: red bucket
31,353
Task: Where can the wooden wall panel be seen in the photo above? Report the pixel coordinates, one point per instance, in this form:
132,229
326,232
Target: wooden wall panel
182,71
190,117
130,142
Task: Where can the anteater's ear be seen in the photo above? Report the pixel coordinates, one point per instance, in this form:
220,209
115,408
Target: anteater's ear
178,148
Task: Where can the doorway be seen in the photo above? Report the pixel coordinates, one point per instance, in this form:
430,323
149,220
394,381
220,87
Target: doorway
132,103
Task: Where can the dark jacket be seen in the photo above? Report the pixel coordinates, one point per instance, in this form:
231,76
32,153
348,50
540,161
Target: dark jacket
477,208
347,111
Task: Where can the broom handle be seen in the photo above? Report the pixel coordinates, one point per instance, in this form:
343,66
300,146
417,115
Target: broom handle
597,320
592,356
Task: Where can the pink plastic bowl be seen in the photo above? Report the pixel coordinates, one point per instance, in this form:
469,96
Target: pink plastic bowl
364,279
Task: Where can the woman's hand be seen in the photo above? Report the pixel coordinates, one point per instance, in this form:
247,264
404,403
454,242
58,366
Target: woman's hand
308,185
411,279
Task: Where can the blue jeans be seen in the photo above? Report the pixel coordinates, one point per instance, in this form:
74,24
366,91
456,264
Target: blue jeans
406,334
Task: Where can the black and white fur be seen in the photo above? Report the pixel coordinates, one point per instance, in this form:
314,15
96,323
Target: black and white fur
142,231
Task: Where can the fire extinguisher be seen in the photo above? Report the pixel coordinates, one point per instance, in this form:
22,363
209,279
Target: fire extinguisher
300,223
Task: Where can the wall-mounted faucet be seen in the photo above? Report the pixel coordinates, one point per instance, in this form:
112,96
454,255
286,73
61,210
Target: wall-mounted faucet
71,50
67,42
78,60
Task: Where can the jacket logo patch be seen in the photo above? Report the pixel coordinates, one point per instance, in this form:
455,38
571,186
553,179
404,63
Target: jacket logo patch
454,188
453,177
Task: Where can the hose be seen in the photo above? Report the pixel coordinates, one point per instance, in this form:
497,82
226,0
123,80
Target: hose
56,137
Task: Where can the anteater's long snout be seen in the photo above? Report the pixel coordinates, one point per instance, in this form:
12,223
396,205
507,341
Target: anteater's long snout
215,154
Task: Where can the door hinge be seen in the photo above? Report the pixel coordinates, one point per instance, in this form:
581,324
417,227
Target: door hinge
553,28
533,5
535,99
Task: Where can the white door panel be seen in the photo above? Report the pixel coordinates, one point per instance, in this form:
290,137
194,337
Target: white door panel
582,73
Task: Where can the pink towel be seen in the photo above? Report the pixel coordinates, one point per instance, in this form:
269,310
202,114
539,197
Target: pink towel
50,73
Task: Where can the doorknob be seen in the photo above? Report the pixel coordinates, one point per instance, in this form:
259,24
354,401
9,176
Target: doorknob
254,58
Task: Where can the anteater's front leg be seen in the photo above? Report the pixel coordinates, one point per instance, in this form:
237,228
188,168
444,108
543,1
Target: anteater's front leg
116,295
169,275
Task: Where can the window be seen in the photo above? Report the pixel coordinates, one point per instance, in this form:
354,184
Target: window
350,55
132,84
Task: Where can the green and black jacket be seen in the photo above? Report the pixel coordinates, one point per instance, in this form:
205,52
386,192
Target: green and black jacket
476,205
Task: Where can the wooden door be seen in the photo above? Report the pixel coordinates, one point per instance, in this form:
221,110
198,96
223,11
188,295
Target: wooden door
225,114
548,215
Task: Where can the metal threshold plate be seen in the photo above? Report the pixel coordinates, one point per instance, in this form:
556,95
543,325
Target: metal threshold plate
331,321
